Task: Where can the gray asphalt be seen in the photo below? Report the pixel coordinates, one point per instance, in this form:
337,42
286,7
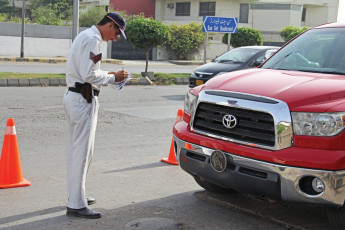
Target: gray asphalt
126,176
134,189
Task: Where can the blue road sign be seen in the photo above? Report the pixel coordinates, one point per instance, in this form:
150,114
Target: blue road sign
219,25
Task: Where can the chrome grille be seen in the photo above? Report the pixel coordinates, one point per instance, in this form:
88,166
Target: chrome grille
203,75
253,126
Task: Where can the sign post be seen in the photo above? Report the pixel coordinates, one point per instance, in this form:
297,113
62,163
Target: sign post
218,25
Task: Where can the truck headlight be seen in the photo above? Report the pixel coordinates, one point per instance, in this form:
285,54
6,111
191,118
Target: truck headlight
189,101
317,124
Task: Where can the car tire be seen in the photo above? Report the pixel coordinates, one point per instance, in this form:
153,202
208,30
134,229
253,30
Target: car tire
212,187
336,217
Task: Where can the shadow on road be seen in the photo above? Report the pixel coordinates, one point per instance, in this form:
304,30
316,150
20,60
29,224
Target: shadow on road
192,210
139,167
291,215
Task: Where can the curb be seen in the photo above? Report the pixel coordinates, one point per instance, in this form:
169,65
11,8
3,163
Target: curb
51,60
109,60
185,62
32,82
17,82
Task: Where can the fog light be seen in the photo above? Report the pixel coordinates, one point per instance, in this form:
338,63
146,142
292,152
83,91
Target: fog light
318,185
311,185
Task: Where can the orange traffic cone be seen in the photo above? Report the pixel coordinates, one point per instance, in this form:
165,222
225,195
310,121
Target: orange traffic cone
179,115
172,159
10,166
188,146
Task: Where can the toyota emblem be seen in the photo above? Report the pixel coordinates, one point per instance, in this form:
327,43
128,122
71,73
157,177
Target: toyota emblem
229,121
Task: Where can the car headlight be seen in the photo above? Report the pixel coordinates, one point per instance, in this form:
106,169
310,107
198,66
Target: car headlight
189,101
220,73
317,124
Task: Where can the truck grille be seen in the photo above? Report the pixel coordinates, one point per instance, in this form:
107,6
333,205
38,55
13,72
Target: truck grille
252,126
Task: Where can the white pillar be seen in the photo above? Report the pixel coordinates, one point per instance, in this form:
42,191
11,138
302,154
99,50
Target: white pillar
341,11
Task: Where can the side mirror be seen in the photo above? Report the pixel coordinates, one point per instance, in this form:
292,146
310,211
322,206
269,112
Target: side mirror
269,53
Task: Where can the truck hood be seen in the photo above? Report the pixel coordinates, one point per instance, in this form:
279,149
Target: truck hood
302,91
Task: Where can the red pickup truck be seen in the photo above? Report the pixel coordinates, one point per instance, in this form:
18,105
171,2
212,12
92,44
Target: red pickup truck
274,131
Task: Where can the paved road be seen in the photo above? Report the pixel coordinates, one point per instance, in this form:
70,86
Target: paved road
134,190
131,66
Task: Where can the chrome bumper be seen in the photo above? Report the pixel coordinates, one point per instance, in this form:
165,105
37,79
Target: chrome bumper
289,177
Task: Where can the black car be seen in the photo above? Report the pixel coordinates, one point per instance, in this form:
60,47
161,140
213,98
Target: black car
236,59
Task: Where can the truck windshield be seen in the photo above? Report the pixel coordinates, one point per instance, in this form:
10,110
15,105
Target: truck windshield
317,50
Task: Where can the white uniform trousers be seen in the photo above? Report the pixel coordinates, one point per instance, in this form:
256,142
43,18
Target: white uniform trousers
81,122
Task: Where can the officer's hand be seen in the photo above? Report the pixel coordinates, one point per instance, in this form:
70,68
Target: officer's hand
121,75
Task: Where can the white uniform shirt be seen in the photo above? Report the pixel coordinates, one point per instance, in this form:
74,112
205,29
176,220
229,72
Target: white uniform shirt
83,64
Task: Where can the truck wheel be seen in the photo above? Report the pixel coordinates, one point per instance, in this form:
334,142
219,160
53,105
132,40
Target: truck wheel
336,217
211,187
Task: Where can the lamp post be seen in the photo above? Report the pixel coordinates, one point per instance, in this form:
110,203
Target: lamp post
75,19
23,30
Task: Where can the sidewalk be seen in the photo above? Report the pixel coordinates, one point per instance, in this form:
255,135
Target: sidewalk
50,60
16,82
62,81
107,60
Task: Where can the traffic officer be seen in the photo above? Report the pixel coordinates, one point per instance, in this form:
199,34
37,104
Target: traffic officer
84,80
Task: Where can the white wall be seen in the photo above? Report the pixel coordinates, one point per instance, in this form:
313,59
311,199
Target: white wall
224,8
341,11
318,12
34,47
39,40
315,15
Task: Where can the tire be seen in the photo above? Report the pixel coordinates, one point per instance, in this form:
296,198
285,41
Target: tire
336,217
212,187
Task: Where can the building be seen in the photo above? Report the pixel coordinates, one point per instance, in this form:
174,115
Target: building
135,7
16,3
268,16
84,5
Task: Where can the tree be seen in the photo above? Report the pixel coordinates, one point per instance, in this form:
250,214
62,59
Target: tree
5,7
94,14
7,11
289,32
61,8
91,17
244,37
147,33
186,40
46,16
3,17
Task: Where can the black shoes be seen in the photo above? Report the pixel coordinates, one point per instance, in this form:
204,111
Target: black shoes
91,200
83,212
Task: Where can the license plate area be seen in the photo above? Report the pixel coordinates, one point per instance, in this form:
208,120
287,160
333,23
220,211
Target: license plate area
199,82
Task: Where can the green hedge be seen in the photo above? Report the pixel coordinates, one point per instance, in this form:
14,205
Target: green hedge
244,37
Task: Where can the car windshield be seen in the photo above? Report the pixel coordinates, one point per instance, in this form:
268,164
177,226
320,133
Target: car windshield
238,55
317,50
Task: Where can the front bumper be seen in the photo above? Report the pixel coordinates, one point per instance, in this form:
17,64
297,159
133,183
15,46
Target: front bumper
259,177
194,80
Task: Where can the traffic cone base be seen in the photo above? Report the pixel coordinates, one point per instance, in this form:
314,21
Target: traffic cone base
23,183
171,159
10,167
166,160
